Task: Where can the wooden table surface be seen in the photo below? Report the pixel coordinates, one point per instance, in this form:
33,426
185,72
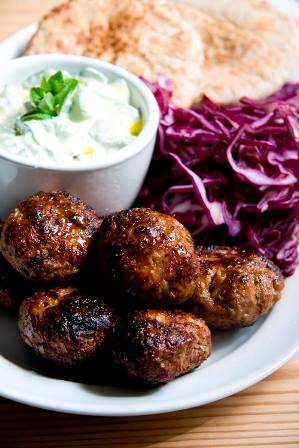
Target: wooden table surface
262,416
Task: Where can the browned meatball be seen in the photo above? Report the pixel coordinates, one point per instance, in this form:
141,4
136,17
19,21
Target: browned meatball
235,287
146,255
64,324
156,346
47,237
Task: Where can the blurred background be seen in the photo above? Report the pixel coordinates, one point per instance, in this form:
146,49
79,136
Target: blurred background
20,13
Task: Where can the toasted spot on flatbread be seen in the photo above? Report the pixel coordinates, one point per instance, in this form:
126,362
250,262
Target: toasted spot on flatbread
251,48
147,37
68,27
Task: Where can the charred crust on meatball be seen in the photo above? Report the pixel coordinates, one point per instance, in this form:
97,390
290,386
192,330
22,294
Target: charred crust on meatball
64,324
156,346
47,237
146,256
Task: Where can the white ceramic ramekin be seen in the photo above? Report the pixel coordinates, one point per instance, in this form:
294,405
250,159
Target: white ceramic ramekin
109,185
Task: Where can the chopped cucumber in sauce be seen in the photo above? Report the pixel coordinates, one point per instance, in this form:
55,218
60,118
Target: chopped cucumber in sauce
59,116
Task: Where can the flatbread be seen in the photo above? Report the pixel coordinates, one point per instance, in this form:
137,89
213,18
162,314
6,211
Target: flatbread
251,49
147,37
68,27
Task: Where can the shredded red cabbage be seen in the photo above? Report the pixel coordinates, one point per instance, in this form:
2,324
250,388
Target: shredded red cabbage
230,173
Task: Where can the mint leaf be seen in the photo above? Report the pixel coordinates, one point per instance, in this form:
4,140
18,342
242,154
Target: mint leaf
46,100
36,116
45,85
56,82
36,95
59,99
47,104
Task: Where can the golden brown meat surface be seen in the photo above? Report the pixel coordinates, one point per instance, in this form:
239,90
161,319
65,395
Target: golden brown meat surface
47,237
156,346
64,324
146,256
234,287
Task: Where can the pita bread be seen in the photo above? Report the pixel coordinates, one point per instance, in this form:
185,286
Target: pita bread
251,48
147,37
68,27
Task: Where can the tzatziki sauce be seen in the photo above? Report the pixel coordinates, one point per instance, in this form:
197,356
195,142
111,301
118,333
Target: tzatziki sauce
56,116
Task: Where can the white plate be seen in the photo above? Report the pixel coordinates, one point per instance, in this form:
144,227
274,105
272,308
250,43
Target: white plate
240,358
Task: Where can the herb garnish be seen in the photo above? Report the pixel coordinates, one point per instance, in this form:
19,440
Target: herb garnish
47,99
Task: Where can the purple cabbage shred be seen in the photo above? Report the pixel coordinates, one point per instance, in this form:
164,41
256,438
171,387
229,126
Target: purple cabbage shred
230,173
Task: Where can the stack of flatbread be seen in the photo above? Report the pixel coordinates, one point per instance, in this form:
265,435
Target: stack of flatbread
225,49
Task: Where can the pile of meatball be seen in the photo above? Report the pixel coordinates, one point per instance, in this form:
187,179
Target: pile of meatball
131,287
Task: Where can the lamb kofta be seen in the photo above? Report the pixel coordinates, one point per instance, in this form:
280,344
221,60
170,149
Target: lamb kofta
234,287
64,324
47,237
143,258
155,346
146,256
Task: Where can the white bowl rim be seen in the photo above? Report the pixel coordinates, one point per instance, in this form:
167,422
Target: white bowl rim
147,134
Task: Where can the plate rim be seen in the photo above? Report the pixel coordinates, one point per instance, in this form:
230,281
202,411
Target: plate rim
222,393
